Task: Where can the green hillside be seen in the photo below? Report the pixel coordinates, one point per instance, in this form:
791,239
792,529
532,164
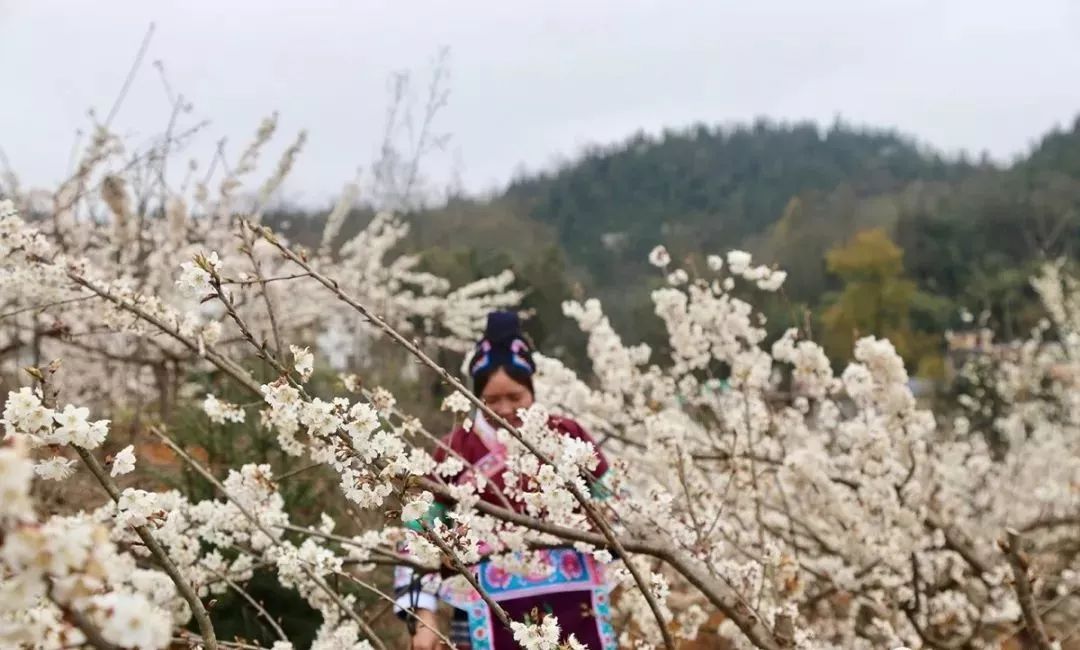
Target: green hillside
969,234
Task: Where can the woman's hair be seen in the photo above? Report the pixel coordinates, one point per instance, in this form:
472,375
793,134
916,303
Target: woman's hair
503,346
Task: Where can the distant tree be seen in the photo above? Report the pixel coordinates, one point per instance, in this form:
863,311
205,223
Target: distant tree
876,298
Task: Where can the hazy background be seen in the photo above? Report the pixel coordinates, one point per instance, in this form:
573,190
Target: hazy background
535,81
910,163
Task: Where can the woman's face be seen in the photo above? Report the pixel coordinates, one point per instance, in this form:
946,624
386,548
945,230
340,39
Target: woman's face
505,396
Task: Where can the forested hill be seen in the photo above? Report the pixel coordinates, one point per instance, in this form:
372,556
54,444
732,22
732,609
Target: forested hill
711,186
953,236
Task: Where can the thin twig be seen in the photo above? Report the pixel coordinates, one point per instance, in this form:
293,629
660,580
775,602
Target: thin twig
1069,634
396,557
1051,522
45,306
130,75
1046,609
379,593
223,363
264,289
254,603
724,597
202,618
194,640
298,470
954,541
277,278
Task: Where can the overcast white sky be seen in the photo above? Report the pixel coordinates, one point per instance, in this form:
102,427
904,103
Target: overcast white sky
535,81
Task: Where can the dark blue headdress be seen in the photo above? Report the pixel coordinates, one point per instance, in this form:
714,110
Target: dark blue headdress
503,346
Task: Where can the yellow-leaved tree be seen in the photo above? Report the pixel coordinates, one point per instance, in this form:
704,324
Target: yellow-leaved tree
876,300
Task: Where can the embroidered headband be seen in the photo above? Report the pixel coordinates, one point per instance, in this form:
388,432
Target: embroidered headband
503,345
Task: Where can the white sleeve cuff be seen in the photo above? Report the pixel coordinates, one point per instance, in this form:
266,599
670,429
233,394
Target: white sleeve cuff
423,600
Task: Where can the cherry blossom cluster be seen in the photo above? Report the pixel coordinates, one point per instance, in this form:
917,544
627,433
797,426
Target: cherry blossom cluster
63,581
834,503
79,257
66,579
808,507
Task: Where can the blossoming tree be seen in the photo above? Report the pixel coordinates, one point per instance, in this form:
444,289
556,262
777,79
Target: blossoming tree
787,505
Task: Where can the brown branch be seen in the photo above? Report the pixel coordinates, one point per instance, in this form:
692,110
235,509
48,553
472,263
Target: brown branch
915,580
1049,607
47,305
202,618
261,280
264,289
193,640
955,541
300,470
1024,594
459,566
103,477
270,356
396,557
1051,522
223,363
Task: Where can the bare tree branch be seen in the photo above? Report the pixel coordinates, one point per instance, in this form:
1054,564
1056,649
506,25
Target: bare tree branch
1024,594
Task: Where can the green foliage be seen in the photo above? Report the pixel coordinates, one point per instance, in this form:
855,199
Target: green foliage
727,183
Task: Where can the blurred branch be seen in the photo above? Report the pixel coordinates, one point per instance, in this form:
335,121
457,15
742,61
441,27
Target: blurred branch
1022,585
135,65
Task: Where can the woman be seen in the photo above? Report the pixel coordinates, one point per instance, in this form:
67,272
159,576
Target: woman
573,589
